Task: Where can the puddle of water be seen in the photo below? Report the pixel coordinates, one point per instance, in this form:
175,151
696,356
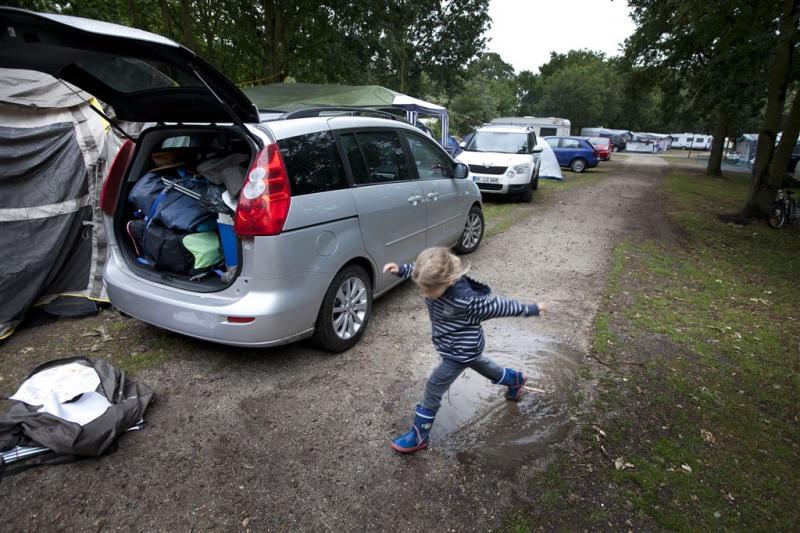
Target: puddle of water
477,424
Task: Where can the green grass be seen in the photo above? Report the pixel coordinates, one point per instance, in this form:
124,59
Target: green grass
723,398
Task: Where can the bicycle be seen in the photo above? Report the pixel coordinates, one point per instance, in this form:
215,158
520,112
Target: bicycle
782,209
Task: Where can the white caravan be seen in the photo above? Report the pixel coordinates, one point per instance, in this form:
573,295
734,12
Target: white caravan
694,141
542,126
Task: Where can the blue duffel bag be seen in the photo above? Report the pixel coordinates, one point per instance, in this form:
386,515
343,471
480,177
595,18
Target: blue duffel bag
172,208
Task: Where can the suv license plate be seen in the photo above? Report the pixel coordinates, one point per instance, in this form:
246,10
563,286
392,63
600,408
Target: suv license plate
486,179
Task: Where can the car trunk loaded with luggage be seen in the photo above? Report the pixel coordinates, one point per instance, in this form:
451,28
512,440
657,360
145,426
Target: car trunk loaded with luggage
173,213
181,199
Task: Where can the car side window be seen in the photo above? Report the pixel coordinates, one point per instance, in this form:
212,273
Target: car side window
430,163
313,163
570,143
552,142
383,157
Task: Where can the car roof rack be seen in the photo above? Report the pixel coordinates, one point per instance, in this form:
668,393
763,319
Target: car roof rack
319,111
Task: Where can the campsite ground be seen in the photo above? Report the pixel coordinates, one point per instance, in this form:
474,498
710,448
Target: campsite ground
296,439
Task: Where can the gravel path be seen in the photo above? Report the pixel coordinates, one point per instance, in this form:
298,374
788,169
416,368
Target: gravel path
295,439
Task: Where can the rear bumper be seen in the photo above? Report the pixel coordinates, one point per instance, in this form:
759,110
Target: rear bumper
283,309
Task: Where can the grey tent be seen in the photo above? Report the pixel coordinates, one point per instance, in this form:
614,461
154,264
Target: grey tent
53,153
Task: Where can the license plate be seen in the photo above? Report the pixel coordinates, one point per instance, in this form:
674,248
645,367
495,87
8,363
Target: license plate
486,179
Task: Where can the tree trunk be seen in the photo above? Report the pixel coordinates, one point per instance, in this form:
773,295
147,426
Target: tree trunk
403,69
274,44
762,188
780,159
186,24
714,167
166,17
133,13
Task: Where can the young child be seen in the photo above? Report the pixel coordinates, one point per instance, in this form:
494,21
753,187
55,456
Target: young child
457,305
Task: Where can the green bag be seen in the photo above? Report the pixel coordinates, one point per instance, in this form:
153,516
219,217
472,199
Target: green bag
205,248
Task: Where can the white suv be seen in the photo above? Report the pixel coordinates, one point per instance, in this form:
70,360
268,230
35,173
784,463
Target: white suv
503,159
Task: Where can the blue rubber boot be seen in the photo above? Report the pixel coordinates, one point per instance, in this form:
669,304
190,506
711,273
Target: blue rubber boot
417,436
515,381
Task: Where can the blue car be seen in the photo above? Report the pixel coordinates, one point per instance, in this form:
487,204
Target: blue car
573,152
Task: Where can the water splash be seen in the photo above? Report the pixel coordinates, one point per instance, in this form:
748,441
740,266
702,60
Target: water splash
477,424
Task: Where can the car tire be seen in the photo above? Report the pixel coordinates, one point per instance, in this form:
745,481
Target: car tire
535,182
578,165
615,149
345,311
527,195
473,232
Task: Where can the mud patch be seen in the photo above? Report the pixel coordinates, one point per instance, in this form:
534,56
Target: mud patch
479,426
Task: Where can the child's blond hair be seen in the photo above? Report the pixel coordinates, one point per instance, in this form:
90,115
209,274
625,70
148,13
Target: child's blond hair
436,268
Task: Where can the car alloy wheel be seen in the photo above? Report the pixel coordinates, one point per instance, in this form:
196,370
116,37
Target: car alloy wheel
578,165
349,308
473,232
345,310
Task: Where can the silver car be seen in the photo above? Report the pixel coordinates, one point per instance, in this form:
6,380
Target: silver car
323,198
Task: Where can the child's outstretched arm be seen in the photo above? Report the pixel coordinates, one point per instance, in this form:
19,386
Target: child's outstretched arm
404,271
495,307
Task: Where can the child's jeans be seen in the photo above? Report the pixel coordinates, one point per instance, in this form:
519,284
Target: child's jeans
446,373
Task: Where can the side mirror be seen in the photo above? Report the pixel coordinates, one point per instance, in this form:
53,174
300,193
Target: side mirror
537,150
462,144
460,171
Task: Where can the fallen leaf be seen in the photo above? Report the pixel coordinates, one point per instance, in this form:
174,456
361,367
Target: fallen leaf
686,468
707,436
717,514
26,349
245,522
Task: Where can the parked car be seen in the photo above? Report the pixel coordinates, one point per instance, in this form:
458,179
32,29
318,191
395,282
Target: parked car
503,159
323,201
604,147
574,152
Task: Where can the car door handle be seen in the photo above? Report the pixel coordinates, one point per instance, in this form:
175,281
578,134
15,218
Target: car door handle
414,200
433,196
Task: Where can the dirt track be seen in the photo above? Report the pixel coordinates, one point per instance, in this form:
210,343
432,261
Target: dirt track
295,439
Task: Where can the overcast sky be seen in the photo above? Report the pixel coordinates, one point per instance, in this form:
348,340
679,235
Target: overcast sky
524,32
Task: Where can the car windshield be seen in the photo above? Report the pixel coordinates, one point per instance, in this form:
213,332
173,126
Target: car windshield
498,141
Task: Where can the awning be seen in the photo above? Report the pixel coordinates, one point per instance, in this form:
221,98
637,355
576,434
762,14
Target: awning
293,96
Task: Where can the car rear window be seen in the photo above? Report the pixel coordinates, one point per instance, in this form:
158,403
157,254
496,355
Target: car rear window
313,163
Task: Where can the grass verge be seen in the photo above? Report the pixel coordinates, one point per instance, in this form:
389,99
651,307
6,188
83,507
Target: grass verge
695,423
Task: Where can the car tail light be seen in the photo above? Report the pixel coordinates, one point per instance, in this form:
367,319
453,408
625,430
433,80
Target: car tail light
110,191
265,198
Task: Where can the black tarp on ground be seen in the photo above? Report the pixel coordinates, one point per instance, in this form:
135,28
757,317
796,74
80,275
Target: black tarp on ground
22,425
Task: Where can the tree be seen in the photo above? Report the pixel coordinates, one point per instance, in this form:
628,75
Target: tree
716,51
582,86
488,92
769,169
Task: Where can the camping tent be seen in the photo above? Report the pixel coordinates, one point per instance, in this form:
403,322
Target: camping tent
52,153
746,149
293,96
549,167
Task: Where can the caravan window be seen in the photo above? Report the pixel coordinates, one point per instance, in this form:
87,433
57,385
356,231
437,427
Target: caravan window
546,132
